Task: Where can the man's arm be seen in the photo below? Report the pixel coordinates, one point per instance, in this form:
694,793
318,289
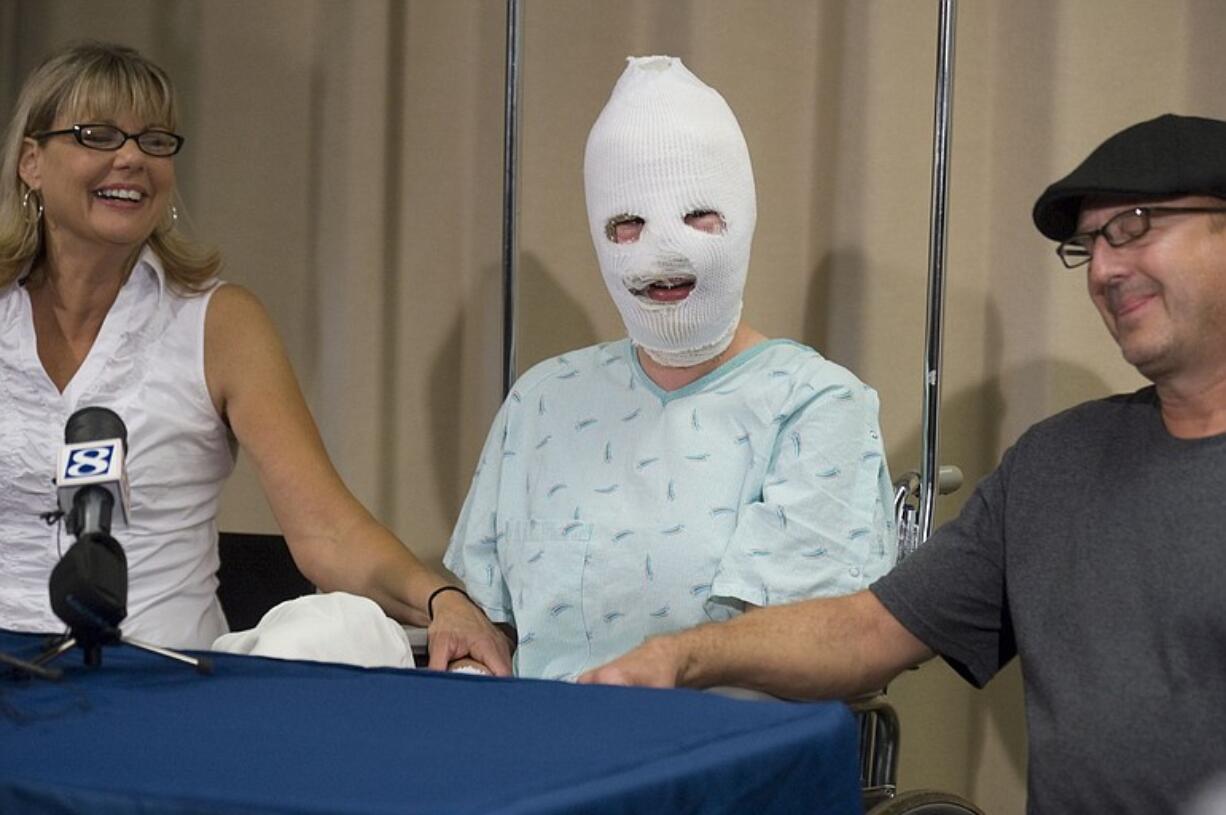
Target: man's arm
825,648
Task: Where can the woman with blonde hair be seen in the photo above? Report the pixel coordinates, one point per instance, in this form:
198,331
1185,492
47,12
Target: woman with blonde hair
104,301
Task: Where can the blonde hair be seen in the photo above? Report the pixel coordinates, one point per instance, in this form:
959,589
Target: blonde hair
91,79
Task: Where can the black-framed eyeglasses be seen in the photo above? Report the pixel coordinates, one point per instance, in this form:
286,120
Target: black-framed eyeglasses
1122,228
153,142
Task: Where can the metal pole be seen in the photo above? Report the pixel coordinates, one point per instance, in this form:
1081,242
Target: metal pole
510,193
942,119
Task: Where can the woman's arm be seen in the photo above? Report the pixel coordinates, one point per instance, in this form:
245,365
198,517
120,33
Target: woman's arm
336,543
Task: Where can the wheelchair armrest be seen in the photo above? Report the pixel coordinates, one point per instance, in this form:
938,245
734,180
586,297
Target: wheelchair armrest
417,641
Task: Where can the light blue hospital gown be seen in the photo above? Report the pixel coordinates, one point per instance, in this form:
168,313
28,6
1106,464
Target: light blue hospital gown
605,509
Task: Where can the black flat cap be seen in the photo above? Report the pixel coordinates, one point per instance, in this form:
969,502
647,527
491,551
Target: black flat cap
1170,155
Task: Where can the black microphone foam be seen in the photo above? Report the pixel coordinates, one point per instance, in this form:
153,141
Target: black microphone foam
89,587
94,424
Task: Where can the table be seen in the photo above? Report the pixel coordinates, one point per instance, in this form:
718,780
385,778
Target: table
141,733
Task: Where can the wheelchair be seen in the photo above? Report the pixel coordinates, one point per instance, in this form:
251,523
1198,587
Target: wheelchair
879,740
877,720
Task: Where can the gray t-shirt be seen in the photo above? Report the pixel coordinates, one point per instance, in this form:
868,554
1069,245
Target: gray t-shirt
1095,553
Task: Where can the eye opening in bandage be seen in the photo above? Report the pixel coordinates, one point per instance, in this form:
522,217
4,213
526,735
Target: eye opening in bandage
706,220
624,228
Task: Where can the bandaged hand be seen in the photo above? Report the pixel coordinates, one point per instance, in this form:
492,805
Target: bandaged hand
460,630
468,666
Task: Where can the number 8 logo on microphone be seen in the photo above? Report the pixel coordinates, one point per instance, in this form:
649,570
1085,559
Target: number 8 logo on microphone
89,461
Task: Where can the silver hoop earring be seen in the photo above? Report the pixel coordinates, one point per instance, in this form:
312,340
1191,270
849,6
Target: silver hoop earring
25,206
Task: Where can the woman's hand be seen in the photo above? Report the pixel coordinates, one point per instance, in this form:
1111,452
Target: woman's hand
460,630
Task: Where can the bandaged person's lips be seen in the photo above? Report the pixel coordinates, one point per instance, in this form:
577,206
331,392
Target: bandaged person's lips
666,290
668,279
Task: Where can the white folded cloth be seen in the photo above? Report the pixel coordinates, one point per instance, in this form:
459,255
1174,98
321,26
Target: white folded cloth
334,627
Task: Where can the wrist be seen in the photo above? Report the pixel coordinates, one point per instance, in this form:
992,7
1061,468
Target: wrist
685,652
669,655
440,597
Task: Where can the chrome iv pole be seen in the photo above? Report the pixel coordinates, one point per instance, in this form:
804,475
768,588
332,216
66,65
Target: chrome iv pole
510,192
937,240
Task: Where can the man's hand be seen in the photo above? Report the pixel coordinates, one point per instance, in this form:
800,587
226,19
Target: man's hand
657,663
460,630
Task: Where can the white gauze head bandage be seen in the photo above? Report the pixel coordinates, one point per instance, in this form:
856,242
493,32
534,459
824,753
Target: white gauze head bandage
667,146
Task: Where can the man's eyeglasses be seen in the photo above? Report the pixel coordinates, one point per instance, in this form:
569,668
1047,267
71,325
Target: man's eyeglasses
1122,228
153,142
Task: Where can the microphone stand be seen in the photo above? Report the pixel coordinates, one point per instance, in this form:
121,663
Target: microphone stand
20,666
91,642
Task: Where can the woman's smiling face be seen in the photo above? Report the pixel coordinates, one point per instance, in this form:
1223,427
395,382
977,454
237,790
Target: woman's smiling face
101,198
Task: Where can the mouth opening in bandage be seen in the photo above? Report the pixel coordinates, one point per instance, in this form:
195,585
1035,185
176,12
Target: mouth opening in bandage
663,288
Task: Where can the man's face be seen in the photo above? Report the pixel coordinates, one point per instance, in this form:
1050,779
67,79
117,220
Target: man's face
1163,295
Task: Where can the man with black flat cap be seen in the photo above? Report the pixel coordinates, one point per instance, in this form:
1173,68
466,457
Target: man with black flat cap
1094,553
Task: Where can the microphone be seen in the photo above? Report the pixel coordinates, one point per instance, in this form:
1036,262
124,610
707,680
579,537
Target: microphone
89,585
91,477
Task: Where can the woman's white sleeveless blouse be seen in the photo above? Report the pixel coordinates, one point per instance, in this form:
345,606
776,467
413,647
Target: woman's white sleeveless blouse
147,365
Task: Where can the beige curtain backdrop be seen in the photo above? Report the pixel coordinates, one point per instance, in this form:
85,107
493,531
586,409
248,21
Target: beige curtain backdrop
346,157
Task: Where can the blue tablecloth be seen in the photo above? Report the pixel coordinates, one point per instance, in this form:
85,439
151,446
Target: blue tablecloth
140,733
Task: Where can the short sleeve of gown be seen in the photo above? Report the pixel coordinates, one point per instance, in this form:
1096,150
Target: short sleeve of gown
821,526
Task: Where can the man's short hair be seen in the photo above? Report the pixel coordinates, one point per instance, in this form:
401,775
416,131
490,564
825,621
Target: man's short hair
1167,156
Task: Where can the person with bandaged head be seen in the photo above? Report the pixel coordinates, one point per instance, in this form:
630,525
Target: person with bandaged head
696,469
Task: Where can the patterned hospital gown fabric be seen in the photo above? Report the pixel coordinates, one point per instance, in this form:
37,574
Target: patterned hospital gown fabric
605,510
